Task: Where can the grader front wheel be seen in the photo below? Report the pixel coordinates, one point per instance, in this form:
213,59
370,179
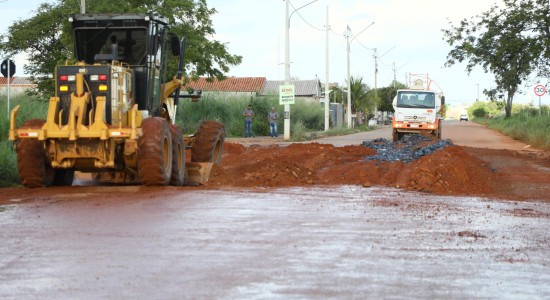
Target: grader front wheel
34,169
209,139
178,156
155,152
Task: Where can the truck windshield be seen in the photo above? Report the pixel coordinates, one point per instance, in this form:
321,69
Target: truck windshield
416,99
130,44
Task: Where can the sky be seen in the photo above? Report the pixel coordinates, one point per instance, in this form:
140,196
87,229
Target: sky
406,34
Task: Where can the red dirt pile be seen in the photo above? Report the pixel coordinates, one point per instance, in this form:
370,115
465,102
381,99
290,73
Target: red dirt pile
447,171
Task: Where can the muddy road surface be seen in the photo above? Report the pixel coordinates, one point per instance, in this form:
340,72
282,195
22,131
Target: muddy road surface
314,233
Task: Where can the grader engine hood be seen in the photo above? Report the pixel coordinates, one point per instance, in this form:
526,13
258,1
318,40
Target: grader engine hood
110,81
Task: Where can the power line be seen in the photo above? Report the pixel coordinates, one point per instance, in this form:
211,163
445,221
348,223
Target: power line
296,11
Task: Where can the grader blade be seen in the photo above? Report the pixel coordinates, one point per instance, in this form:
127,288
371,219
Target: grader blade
198,172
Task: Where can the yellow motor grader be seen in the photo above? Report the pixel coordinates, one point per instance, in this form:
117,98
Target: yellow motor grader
113,113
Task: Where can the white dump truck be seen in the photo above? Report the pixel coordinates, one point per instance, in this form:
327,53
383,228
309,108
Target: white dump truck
417,110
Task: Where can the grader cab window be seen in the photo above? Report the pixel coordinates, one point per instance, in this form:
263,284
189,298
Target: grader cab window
125,45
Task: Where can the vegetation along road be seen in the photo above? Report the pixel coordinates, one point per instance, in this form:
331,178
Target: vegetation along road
280,220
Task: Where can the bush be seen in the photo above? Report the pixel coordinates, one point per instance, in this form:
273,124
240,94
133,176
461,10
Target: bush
480,112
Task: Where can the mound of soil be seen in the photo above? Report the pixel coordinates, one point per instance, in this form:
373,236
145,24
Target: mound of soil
449,170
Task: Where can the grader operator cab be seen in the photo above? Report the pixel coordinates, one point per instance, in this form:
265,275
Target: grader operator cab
113,113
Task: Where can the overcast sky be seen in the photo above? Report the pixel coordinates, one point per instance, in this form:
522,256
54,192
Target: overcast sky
405,33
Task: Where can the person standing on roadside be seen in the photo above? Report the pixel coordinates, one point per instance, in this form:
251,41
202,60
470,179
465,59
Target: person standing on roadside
248,113
273,117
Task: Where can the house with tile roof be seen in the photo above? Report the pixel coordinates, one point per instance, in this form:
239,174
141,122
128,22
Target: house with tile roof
230,87
18,85
309,90
236,87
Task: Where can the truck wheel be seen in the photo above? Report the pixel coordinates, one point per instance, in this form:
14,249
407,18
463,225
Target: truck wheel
178,156
439,131
208,146
34,169
155,152
395,135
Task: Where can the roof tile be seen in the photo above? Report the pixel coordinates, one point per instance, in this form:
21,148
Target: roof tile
16,80
230,84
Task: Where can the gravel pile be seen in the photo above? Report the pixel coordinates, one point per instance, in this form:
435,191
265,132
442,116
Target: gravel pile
406,150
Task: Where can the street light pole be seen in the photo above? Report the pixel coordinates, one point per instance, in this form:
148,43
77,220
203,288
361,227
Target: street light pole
287,64
348,42
348,33
327,119
287,73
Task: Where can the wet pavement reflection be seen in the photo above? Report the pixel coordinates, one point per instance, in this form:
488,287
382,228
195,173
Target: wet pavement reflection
329,242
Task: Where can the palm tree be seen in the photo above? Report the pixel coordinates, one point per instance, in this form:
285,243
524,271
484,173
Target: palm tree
361,99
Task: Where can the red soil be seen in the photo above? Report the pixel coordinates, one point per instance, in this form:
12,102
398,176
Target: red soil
447,171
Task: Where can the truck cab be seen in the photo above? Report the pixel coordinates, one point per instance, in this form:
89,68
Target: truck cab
417,110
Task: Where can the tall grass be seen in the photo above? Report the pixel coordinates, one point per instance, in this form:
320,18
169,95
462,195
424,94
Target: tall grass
529,125
229,111
29,109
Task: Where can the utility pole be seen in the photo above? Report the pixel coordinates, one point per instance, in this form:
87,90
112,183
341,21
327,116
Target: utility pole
347,34
348,42
287,73
287,64
394,75
82,6
327,88
375,82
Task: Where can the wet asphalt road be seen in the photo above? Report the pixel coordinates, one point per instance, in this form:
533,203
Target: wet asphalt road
296,243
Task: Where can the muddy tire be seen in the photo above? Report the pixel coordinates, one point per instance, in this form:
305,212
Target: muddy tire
179,175
208,146
396,136
155,152
34,169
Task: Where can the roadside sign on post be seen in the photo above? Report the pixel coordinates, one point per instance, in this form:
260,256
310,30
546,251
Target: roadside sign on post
286,94
540,90
7,68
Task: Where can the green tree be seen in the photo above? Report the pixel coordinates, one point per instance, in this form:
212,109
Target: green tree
386,95
359,95
509,42
46,36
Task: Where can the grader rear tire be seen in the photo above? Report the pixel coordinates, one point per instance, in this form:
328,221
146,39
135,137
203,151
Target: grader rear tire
155,152
179,175
208,146
34,169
